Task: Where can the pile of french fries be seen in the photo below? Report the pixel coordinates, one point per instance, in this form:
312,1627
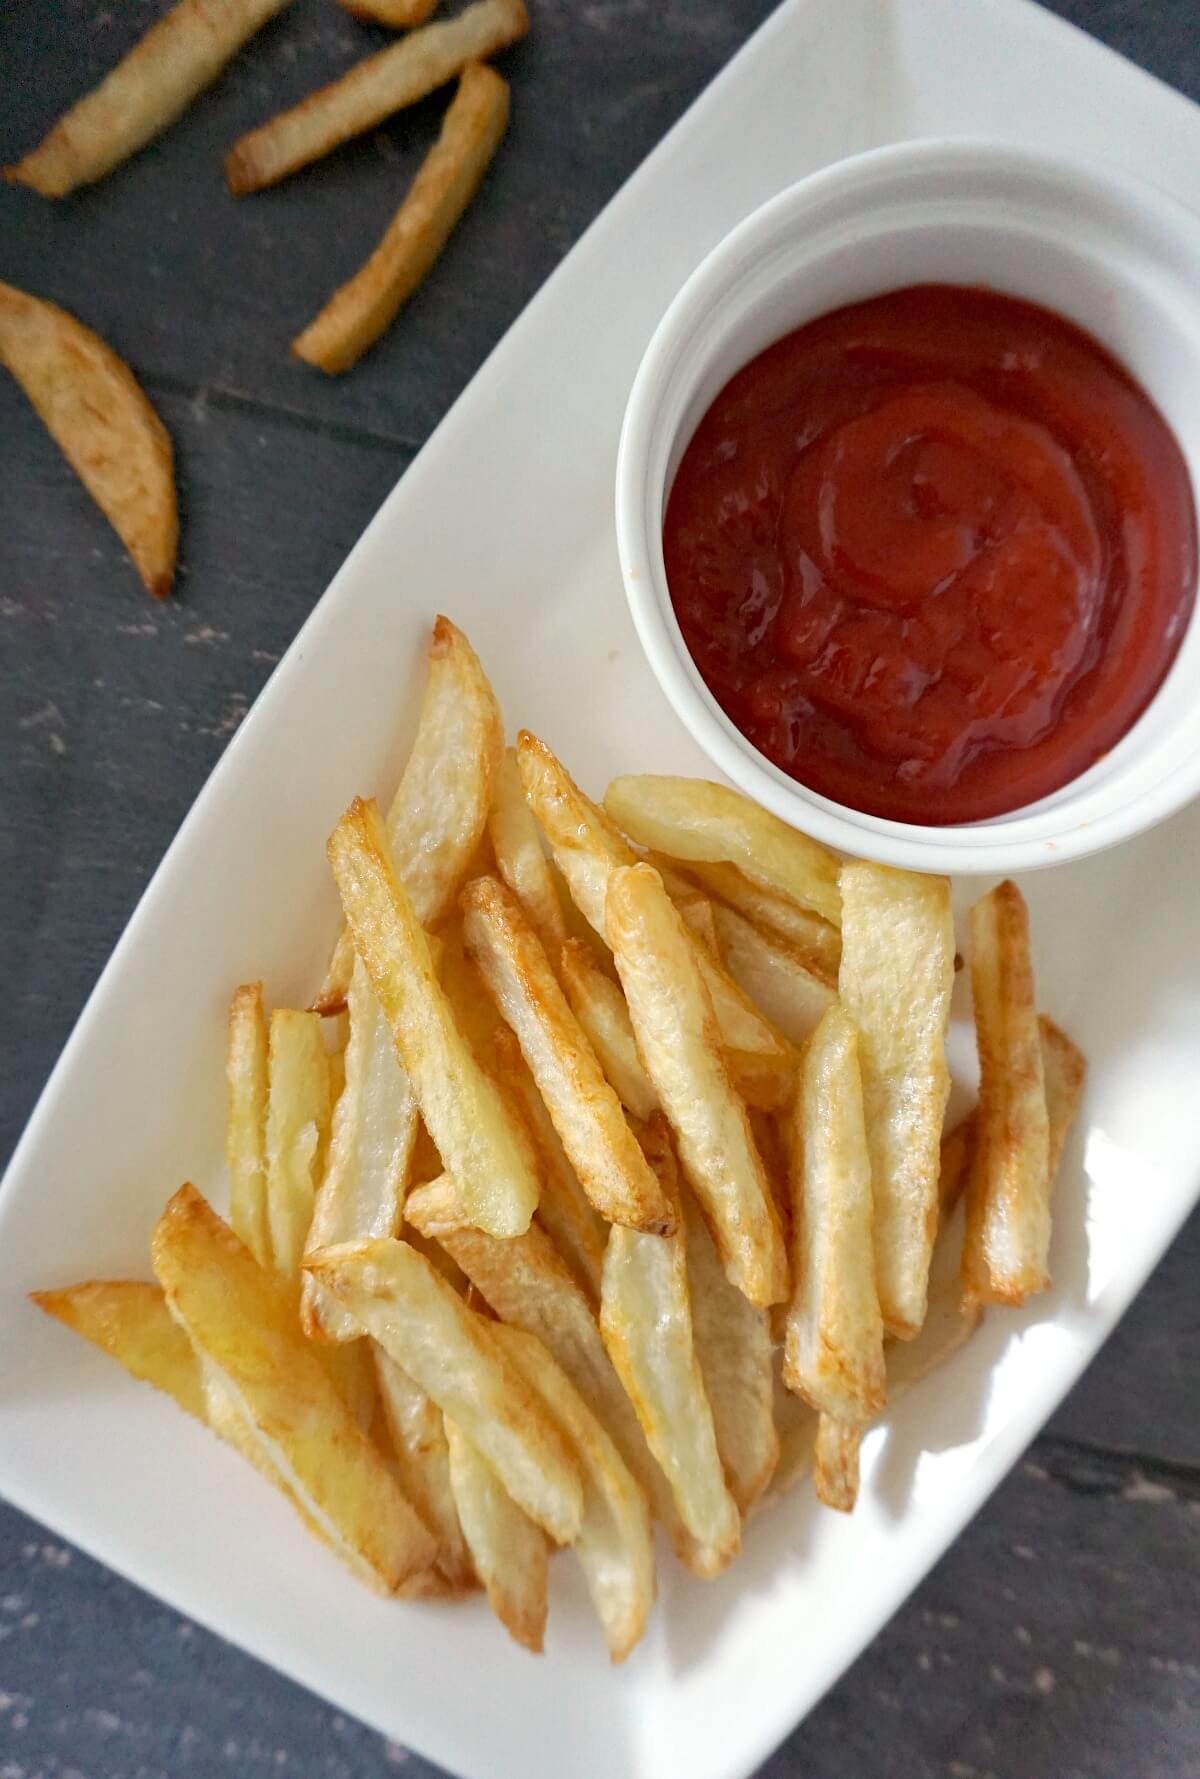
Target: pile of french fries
604,1184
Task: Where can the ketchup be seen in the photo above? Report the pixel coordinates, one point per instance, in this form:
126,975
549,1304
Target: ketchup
933,554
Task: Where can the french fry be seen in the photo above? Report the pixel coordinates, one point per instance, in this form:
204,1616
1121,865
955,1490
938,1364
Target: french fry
417,1440
796,1430
459,1102
815,939
835,1463
97,414
1064,1070
615,1545
773,973
246,1123
509,1551
143,95
361,310
948,1324
405,1305
694,821
678,1042
564,1210
374,1130
373,89
896,977
129,1320
298,1118
599,1006
646,1321
242,1324
958,1152
834,1350
583,1106
520,859
1006,1251
397,15
732,1338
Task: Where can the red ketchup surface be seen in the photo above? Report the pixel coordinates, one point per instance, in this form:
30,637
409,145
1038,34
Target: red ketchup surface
933,554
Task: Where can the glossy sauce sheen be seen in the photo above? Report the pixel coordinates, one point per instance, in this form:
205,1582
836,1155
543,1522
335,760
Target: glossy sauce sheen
933,554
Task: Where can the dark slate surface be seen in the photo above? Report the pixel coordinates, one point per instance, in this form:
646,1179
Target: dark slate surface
1059,1638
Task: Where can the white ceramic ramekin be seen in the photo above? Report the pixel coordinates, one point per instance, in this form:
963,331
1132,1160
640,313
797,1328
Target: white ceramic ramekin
1109,252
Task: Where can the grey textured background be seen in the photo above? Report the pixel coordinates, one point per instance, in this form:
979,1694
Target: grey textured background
1059,1637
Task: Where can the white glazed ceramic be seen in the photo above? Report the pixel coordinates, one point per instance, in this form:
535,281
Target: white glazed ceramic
1081,237
136,1103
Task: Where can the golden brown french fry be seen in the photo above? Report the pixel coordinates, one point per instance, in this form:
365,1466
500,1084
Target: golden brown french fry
459,1102
732,1337
835,1463
97,414
694,821
834,1350
815,939
564,1210
374,1130
1064,1069
583,1106
246,1123
773,973
698,917
896,978
678,1042
520,859
373,89
405,1305
646,1321
599,1006
509,1551
948,1324
417,1441
242,1323
438,816
796,1429
615,1545
397,15
298,1117
361,310
958,1152
129,1320
1006,1251
177,58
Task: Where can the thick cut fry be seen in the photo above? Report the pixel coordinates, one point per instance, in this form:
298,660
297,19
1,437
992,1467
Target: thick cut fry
815,939
600,1008
835,1463
615,1545
242,1323
165,70
372,90
417,1438
509,1551
129,1320
364,308
896,978
298,1117
97,414
459,1102
520,859
834,1350
1064,1069
583,1106
773,973
397,15
677,1039
407,1306
697,822
1006,1251
438,815
733,1344
374,1130
646,1321
564,1210
246,1124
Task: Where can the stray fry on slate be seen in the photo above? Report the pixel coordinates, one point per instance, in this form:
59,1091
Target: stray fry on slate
600,1008
416,1436
460,1104
373,89
298,1116
398,15
1006,1252
897,974
678,1042
97,414
177,58
586,1112
362,309
246,1125
510,1553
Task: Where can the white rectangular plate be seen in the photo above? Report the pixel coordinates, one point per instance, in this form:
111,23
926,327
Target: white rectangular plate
505,522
